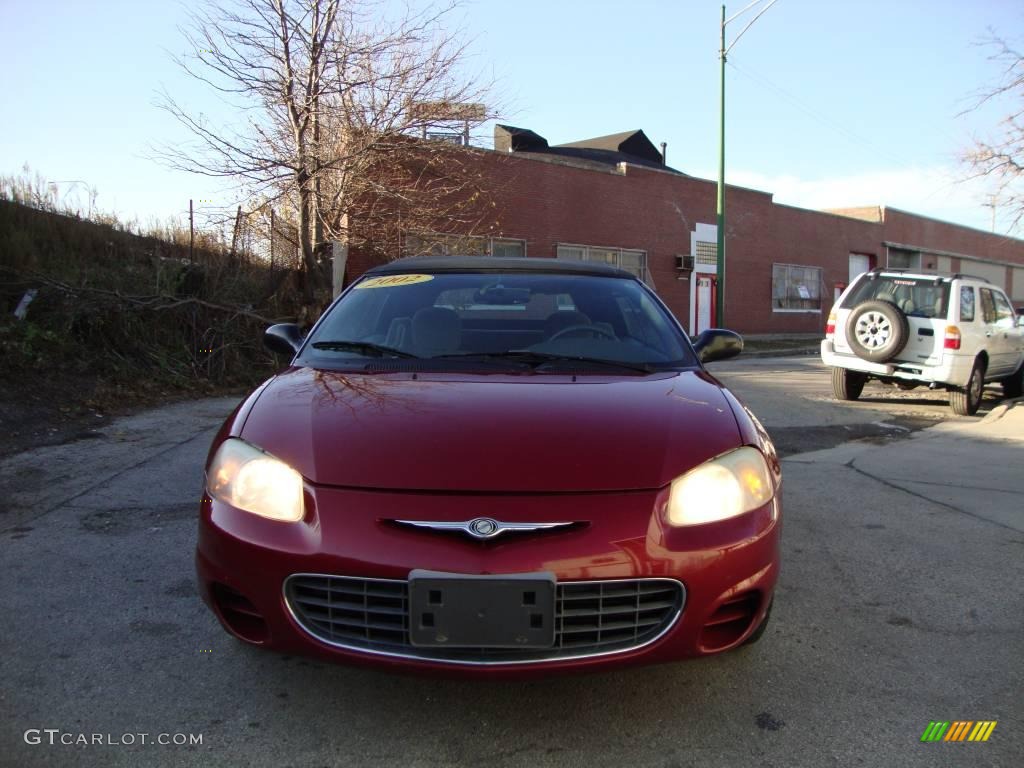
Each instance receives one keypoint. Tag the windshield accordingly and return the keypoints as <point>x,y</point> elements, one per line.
<point>917,297</point>
<point>513,319</point>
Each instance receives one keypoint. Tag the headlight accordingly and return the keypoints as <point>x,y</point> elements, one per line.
<point>247,478</point>
<point>725,487</point>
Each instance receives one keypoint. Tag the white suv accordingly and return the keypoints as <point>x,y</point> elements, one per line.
<point>903,328</point>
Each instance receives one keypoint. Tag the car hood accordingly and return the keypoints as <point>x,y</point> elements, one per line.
<point>490,433</point>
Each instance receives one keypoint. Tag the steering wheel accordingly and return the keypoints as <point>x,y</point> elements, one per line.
<point>594,329</point>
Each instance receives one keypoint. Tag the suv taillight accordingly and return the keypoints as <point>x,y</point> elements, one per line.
<point>952,340</point>
<point>830,325</point>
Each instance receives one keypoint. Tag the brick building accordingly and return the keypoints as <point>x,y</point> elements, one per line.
<point>612,199</point>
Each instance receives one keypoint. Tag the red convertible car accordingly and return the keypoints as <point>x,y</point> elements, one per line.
<point>493,466</point>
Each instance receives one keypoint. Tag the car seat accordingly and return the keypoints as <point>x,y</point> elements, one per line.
<point>436,331</point>
<point>399,333</point>
<point>886,294</point>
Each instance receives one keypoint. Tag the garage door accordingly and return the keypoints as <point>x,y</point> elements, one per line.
<point>994,273</point>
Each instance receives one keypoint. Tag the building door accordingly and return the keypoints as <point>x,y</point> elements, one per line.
<point>705,314</point>
<point>859,262</point>
<point>839,288</point>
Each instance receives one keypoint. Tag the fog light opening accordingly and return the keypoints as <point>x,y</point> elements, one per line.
<point>730,622</point>
<point>239,614</point>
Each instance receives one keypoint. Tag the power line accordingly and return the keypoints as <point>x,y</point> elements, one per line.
<point>821,118</point>
<point>853,137</point>
<point>878,153</point>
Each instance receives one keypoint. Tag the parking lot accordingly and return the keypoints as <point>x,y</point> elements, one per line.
<point>899,603</point>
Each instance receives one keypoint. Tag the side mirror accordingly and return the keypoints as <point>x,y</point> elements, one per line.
<point>717,344</point>
<point>283,338</point>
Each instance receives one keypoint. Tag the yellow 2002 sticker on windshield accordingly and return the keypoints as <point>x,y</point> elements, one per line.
<point>394,281</point>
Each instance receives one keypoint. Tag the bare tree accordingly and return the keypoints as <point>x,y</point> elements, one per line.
<point>1001,158</point>
<point>332,95</point>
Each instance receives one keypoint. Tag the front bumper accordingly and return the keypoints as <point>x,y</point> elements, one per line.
<point>951,369</point>
<point>727,570</point>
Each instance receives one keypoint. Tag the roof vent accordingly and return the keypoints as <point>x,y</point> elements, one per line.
<point>633,143</point>
<point>507,138</point>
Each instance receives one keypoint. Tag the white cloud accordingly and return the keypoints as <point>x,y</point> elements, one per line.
<point>930,191</point>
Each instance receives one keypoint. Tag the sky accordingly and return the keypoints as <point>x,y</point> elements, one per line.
<point>829,103</point>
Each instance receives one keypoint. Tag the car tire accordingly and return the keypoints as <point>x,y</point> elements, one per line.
<point>965,402</point>
<point>847,384</point>
<point>877,331</point>
<point>1013,386</point>
<point>758,633</point>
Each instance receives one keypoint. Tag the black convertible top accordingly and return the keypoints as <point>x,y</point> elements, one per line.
<point>431,264</point>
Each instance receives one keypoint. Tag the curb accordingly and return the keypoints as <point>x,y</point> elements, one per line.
<point>1002,409</point>
<point>792,352</point>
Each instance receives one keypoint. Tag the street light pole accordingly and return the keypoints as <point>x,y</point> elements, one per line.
<point>723,52</point>
<point>720,262</point>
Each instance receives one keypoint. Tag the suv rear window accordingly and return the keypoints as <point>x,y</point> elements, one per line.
<point>916,296</point>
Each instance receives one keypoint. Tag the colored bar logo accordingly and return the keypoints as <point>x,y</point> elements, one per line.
<point>958,730</point>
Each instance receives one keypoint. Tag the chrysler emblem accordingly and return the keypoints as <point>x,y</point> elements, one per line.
<point>482,528</point>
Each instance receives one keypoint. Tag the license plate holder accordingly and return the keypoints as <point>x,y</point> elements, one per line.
<point>453,610</point>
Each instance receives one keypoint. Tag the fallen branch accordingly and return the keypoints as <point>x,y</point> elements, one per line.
<point>154,302</point>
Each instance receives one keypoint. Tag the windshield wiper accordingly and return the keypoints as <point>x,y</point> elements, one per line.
<point>366,347</point>
<point>537,359</point>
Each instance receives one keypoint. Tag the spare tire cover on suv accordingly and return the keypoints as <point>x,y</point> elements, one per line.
<point>877,331</point>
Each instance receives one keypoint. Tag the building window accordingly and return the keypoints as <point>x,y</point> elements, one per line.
<point>632,261</point>
<point>796,288</point>
<point>901,259</point>
<point>436,244</point>
<point>503,246</point>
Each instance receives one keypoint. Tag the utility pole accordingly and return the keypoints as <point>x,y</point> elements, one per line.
<point>993,202</point>
<point>723,52</point>
<point>191,231</point>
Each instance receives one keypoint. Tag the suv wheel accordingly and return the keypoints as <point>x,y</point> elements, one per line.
<point>1013,386</point>
<point>847,384</point>
<point>877,331</point>
<point>965,402</point>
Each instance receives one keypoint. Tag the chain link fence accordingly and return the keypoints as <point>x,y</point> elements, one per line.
<point>266,238</point>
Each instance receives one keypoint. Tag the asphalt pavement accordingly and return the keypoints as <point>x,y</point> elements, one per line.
<point>899,603</point>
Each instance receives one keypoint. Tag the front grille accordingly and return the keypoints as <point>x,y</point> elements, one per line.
<point>591,617</point>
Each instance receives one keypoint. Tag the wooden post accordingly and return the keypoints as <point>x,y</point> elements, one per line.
<point>234,235</point>
<point>338,262</point>
<point>271,238</point>
<point>191,232</point>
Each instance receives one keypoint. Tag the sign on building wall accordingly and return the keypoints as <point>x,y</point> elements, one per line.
<point>704,247</point>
